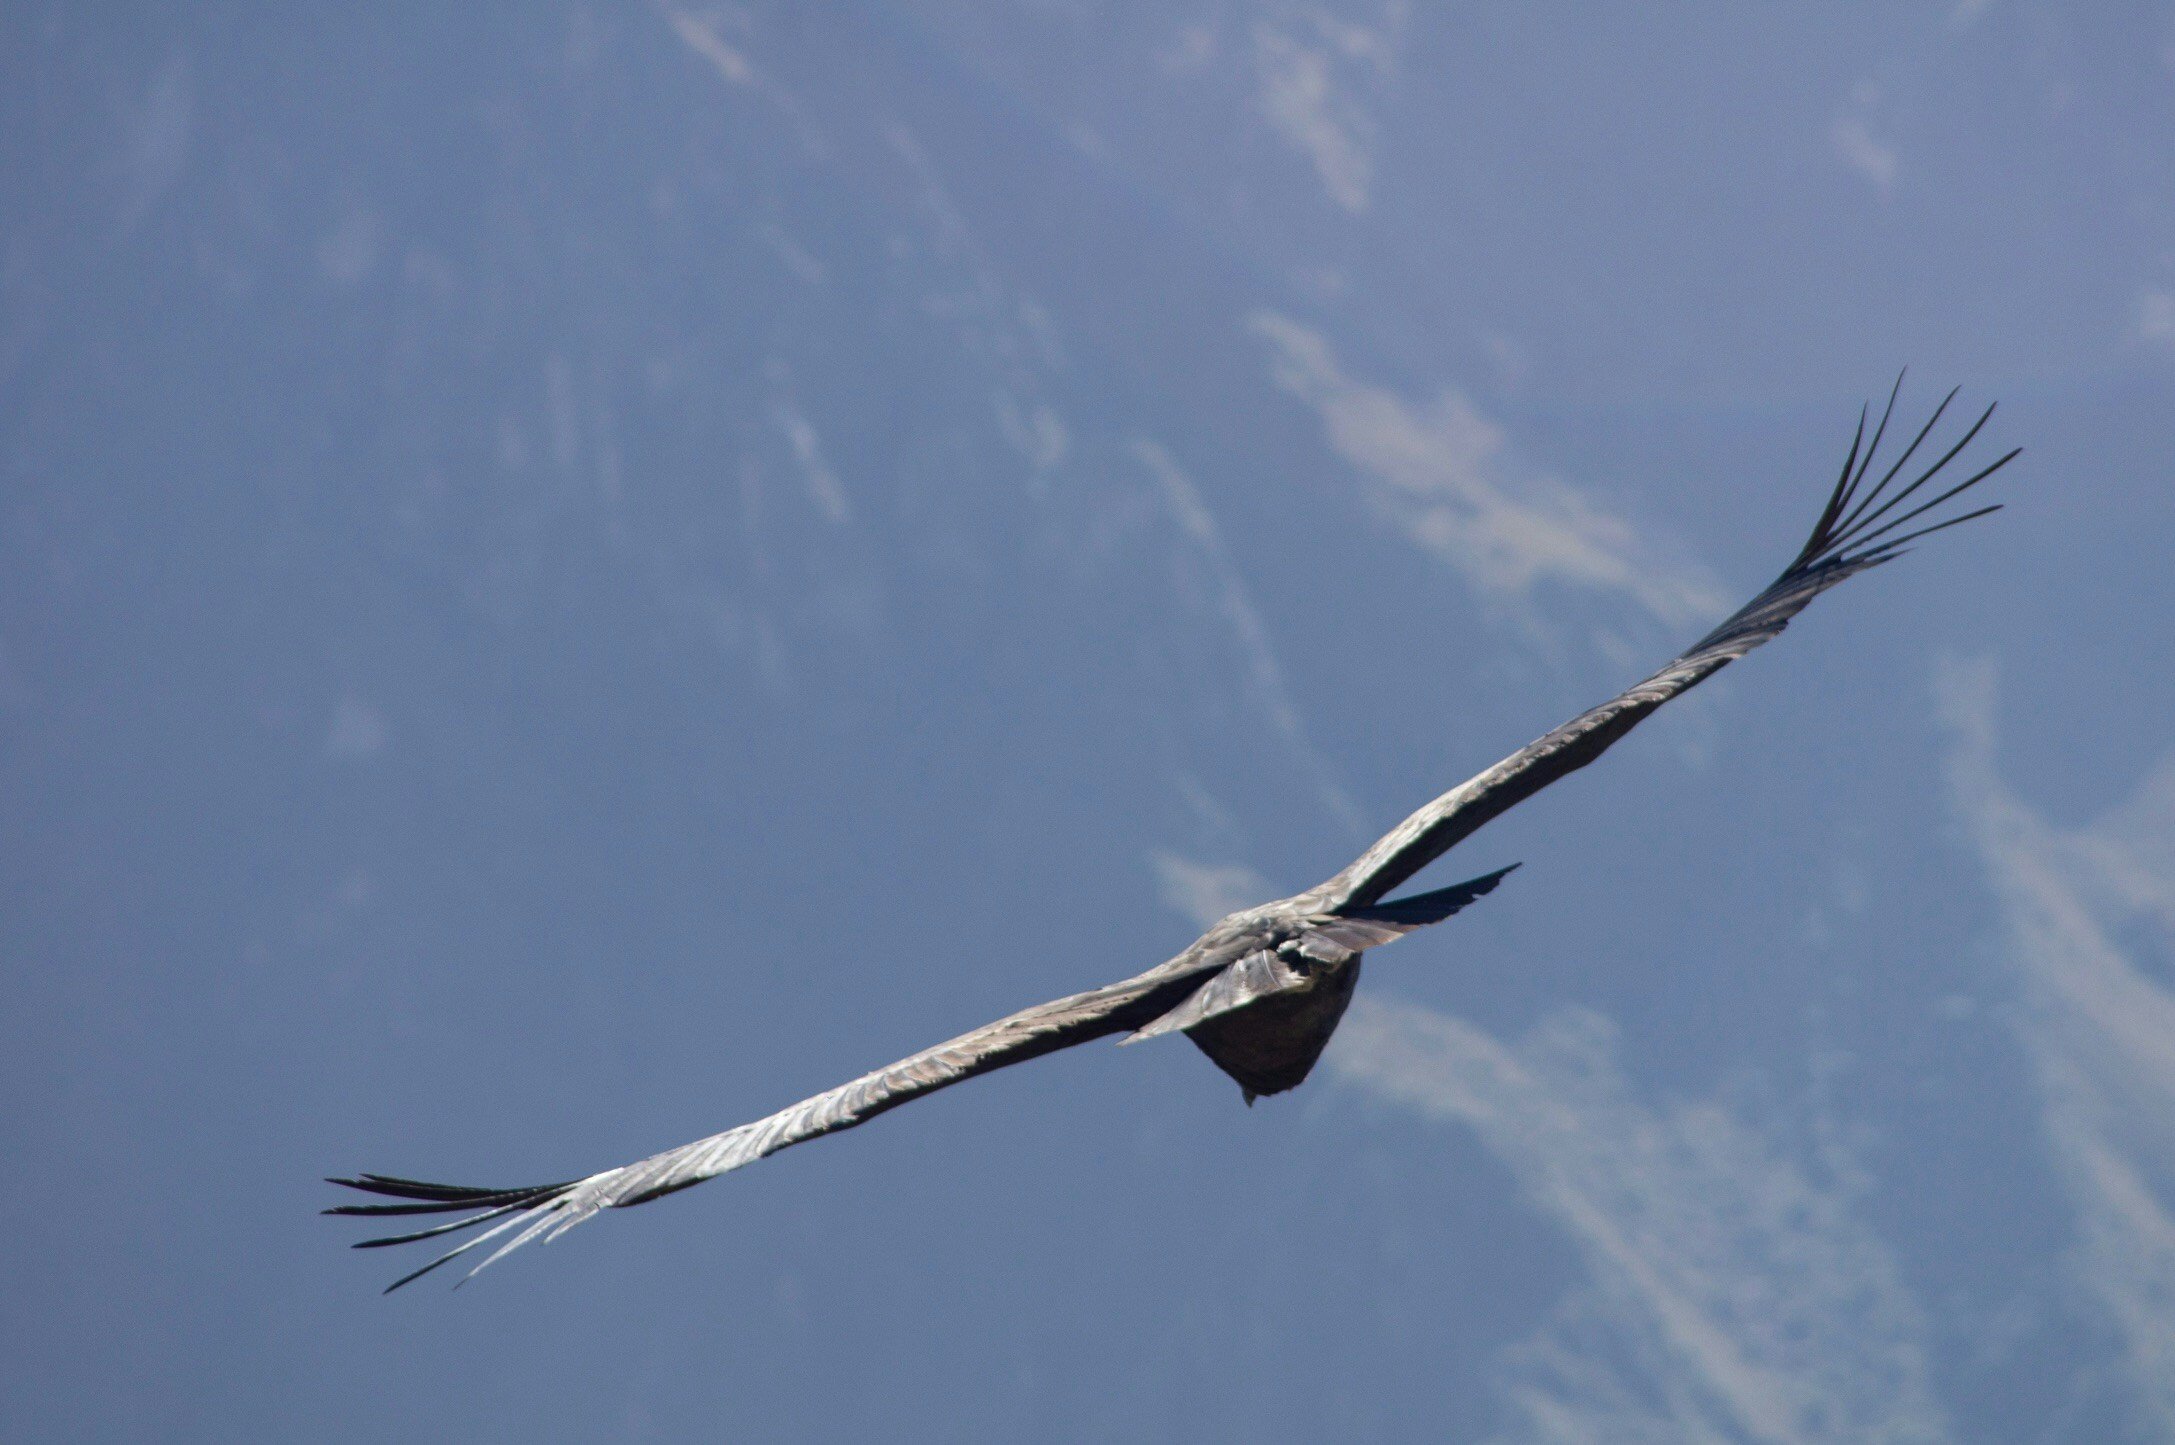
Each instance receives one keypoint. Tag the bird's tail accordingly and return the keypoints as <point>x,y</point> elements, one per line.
<point>1421,909</point>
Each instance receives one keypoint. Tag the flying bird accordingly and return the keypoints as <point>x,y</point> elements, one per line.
<point>1261,991</point>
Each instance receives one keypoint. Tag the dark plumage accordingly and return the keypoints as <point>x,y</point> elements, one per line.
<point>1262,991</point>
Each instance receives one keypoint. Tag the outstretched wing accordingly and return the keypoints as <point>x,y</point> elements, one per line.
<point>549,1210</point>
<point>1855,531</point>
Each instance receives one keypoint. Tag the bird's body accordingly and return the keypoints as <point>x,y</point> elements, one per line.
<point>1271,1045</point>
<point>1262,991</point>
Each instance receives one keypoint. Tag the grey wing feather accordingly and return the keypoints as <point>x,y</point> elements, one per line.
<point>1328,939</point>
<point>546,1211</point>
<point>1362,927</point>
<point>1850,537</point>
<point>1255,976</point>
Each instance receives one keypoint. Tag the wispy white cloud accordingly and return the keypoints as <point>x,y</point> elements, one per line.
<point>1300,99</point>
<point>1237,606</point>
<point>1372,42</point>
<point>1439,472</point>
<point>721,35</point>
<point>1859,146</point>
<point>990,315</point>
<point>1317,71</point>
<point>807,447</point>
<point>1193,47</point>
<point>798,259</point>
<point>2098,1026</point>
<point>1204,892</point>
<point>1035,430</point>
<point>705,36</point>
<point>1733,1293</point>
<point>2156,316</point>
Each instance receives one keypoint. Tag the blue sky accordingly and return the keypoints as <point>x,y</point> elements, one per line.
<point>570,576</point>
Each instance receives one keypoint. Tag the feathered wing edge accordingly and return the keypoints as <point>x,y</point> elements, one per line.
<point>1860,527</point>
<point>545,1211</point>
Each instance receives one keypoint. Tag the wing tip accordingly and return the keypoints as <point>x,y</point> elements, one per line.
<point>1850,531</point>
<point>479,1206</point>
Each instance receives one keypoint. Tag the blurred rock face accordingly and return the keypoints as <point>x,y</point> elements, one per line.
<point>542,550</point>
